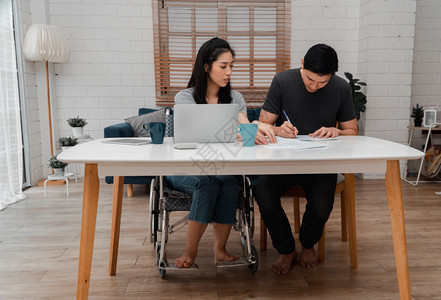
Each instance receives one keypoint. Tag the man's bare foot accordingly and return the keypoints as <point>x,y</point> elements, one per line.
<point>284,263</point>
<point>308,259</point>
<point>185,260</point>
<point>223,255</point>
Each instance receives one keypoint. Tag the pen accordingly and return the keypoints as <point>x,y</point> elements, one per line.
<point>289,121</point>
<point>286,116</point>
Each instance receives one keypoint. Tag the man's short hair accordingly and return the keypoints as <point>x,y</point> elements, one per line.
<point>321,59</point>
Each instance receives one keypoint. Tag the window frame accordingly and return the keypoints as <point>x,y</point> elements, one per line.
<point>253,92</point>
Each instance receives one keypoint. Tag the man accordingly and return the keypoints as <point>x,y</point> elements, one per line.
<point>309,100</point>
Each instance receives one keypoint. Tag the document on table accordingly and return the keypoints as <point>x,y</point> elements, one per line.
<point>302,142</point>
<point>127,141</point>
<point>307,138</point>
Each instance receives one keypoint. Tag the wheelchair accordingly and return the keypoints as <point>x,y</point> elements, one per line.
<point>164,201</point>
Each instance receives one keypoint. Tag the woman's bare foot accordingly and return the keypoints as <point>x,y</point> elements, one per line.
<point>185,260</point>
<point>308,259</point>
<point>284,263</point>
<point>223,255</point>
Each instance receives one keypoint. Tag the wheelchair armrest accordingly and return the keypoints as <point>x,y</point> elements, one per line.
<point>118,130</point>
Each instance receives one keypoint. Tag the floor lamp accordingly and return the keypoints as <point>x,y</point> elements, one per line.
<point>46,43</point>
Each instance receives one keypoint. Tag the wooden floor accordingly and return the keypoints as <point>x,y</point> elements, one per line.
<point>40,243</point>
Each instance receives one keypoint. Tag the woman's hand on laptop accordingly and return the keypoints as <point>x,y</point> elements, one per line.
<point>265,134</point>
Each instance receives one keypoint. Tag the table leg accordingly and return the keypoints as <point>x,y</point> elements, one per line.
<point>44,184</point>
<point>118,186</point>
<point>350,215</point>
<point>67,186</point>
<point>395,201</point>
<point>76,177</point>
<point>88,223</point>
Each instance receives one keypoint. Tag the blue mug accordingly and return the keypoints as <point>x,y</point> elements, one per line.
<point>157,131</point>
<point>248,132</point>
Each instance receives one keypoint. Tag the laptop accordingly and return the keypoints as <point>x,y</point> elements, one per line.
<point>205,123</point>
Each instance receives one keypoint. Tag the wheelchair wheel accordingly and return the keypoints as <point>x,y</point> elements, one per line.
<point>253,267</point>
<point>153,211</point>
<point>250,208</point>
<point>157,249</point>
<point>162,273</point>
<point>251,217</point>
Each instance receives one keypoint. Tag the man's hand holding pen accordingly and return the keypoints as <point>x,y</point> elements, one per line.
<point>287,130</point>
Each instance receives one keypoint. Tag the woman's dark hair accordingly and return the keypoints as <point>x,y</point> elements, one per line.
<point>321,59</point>
<point>207,54</point>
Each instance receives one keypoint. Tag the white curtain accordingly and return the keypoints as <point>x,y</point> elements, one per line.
<point>11,154</point>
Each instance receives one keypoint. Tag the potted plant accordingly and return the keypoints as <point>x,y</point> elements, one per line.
<point>67,142</point>
<point>77,125</point>
<point>358,97</point>
<point>57,165</point>
<point>417,115</point>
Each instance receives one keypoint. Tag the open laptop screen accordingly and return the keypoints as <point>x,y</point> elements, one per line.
<point>205,123</point>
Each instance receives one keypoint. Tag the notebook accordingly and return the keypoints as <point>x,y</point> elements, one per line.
<point>127,141</point>
<point>205,123</point>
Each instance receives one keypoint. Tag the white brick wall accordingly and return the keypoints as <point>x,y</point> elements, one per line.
<point>331,22</point>
<point>386,45</point>
<point>111,71</point>
<point>426,75</point>
<point>104,80</point>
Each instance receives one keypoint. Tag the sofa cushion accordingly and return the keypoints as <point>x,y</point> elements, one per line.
<point>137,121</point>
<point>253,114</point>
<point>143,110</point>
<point>118,130</point>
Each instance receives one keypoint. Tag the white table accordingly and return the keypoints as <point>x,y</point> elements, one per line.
<point>350,154</point>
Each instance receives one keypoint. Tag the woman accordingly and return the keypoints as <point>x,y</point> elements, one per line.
<point>214,198</point>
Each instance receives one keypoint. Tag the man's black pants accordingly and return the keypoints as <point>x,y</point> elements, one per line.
<point>319,190</point>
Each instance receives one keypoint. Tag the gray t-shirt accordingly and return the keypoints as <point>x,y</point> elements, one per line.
<point>186,97</point>
<point>309,111</point>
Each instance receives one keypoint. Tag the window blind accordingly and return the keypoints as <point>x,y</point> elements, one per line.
<point>258,31</point>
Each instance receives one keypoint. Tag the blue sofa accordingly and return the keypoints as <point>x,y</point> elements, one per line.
<point>125,130</point>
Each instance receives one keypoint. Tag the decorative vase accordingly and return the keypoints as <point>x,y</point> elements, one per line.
<point>77,131</point>
<point>59,172</point>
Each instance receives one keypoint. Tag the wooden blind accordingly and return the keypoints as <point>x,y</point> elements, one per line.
<point>257,30</point>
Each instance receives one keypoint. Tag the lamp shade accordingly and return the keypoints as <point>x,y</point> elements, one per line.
<point>45,43</point>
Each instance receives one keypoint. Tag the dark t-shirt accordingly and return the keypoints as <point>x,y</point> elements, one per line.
<point>309,111</point>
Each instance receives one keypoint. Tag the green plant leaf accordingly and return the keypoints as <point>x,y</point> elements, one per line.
<point>348,76</point>
<point>358,97</point>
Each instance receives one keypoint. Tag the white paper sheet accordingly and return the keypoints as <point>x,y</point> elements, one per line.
<point>295,144</point>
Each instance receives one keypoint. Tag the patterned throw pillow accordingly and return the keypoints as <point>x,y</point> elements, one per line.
<point>169,125</point>
<point>137,121</point>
